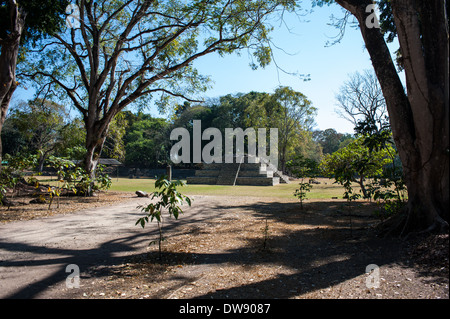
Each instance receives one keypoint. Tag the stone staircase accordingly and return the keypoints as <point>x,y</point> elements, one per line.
<point>228,174</point>
<point>235,174</point>
<point>284,179</point>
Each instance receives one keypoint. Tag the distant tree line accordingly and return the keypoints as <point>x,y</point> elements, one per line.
<point>140,140</point>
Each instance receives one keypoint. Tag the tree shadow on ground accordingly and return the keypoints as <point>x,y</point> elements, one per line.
<point>93,263</point>
<point>59,259</point>
<point>316,247</point>
<point>324,244</point>
<point>332,243</point>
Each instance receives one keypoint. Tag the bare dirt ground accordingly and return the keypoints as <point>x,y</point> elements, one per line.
<point>221,247</point>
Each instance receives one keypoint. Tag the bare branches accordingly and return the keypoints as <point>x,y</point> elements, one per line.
<point>341,25</point>
<point>361,98</point>
<point>71,92</point>
<point>173,94</point>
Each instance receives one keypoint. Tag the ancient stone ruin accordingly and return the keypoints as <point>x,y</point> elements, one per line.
<point>243,173</point>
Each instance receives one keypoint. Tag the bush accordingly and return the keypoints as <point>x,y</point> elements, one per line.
<point>71,178</point>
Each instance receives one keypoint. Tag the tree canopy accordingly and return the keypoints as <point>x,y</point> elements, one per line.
<point>43,18</point>
<point>22,22</point>
<point>126,52</point>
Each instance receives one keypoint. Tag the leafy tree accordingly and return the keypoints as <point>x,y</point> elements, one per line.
<point>237,111</point>
<point>293,118</point>
<point>13,173</point>
<point>294,113</point>
<point>147,143</point>
<point>355,163</point>
<point>389,187</point>
<point>331,140</point>
<point>195,112</point>
<point>307,147</point>
<point>125,52</point>
<point>21,23</point>
<point>61,166</point>
<point>38,126</point>
<point>289,111</point>
<point>418,117</point>
<point>234,111</point>
<point>180,108</point>
<point>73,178</point>
<point>72,137</point>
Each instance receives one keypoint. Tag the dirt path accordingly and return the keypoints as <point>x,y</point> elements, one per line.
<point>222,247</point>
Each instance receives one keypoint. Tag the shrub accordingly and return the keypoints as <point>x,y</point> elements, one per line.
<point>169,199</point>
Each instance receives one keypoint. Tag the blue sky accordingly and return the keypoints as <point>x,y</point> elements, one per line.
<point>304,51</point>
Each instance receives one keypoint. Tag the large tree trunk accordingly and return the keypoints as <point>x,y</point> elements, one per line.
<point>424,47</point>
<point>94,145</point>
<point>93,150</point>
<point>8,61</point>
<point>419,119</point>
<point>96,133</point>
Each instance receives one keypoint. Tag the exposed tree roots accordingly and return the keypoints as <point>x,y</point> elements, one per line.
<point>405,225</point>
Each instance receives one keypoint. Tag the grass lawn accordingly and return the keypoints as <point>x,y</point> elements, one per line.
<point>325,190</point>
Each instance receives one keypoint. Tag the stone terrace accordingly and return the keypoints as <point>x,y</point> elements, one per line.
<point>245,173</point>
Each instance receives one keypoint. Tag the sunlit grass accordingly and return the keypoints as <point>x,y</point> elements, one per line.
<point>325,190</point>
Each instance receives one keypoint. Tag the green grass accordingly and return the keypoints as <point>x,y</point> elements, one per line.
<point>286,191</point>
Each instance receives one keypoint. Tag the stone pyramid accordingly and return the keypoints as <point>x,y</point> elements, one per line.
<point>244,173</point>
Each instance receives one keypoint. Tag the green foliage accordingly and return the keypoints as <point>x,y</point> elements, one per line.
<point>70,177</point>
<point>331,140</point>
<point>349,194</point>
<point>102,179</point>
<point>355,163</point>
<point>76,179</point>
<point>147,142</point>
<point>14,171</point>
<point>388,189</point>
<point>151,59</point>
<point>61,166</point>
<point>294,114</point>
<point>371,157</point>
<point>38,122</point>
<point>43,18</point>
<point>42,126</point>
<point>285,109</point>
<point>300,192</point>
<point>168,199</point>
